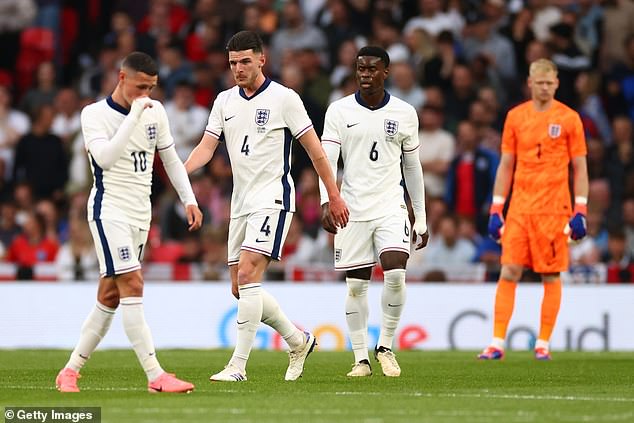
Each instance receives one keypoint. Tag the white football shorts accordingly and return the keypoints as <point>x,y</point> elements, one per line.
<point>119,246</point>
<point>360,244</point>
<point>261,232</point>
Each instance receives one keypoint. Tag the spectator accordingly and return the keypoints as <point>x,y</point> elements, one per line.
<point>187,119</point>
<point>13,125</point>
<point>403,84</point>
<point>66,124</point>
<point>498,50</point>
<point>437,152</point>
<point>76,259</point>
<point>40,159</point>
<point>9,228</point>
<point>295,35</point>
<point>45,90</point>
<point>447,247</point>
<point>31,247</point>
<point>433,20</point>
<point>470,178</point>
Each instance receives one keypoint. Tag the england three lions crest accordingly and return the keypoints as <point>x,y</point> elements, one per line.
<point>151,133</point>
<point>390,126</point>
<point>554,130</point>
<point>262,116</point>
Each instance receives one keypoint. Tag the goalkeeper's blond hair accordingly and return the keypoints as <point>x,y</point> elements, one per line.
<point>542,66</point>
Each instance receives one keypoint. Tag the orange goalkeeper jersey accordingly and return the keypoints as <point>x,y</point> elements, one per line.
<point>543,144</point>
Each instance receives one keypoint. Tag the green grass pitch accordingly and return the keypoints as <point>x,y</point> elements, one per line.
<point>434,387</point>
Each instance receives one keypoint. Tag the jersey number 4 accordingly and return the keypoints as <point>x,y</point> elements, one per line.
<point>245,146</point>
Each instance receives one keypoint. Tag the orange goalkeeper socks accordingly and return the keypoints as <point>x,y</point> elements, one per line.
<point>504,304</point>
<point>550,308</point>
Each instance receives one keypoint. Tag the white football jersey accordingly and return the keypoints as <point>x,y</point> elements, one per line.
<point>371,143</point>
<point>123,192</point>
<point>258,131</point>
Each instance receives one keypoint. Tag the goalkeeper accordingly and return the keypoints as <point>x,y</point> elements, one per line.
<point>541,138</point>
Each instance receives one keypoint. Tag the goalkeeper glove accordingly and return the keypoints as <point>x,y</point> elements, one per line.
<point>577,227</point>
<point>496,219</point>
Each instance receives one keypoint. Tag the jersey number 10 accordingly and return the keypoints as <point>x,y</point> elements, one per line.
<point>140,161</point>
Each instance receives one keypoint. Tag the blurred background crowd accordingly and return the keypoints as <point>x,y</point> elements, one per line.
<point>461,63</point>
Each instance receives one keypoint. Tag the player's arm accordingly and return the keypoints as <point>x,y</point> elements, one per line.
<point>577,225</point>
<point>413,174</point>
<point>202,153</point>
<point>106,151</point>
<point>332,150</point>
<point>338,209</point>
<point>178,177</point>
<point>501,188</point>
<point>176,171</point>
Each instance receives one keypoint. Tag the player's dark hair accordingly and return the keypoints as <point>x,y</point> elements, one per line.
<point>140,62</point>
<point>245,40</point>
<point>375,51</point>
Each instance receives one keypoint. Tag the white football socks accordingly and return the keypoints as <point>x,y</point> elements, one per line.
<point>357,317</point>
<point>392,303</point>
<point>273,316</point>
<point>249,317</point>
<point>92,332</point>
<point>139,335</point>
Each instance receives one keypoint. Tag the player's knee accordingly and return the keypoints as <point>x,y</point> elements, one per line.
<point>109,298</point>
<point>357,288</point>
<point>511,272</point>
<point>394,279</point>
<point>246,275</point>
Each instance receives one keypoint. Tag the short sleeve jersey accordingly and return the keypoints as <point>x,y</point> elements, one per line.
<point>543,142</point>
<point>258,131</point>
<point>122,192</point>
<point>372,141</point>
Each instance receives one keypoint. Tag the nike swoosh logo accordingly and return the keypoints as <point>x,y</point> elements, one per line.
<point>151,354</point>
<point>260,240</point>
<point>351,312</point>
<point>242,323</point>
<point>350,125</point>
<point>394,305</point>
<point>229,118</point>
<point>83,356</point>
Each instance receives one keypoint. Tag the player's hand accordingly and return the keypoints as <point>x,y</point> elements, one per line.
<point>194,217</point>
<point>339,212</point>
<point>577,227</point>
<point>139,105</point>
<point>496,222</point>
<point>326,219</point>
<point>420,229</point>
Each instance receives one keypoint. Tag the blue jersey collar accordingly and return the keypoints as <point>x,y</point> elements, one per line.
<point>119,108</point>
<point>263,87</point>
<point>386,99</point>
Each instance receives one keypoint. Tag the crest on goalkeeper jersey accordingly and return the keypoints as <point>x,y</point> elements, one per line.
<point>554,130</point>
<point>262,116</point>
<point>390,126</point>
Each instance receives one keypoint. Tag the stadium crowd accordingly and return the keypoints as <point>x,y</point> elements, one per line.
<point>461,63</point>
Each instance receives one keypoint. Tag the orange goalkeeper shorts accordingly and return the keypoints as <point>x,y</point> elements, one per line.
<point>536,241</point>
